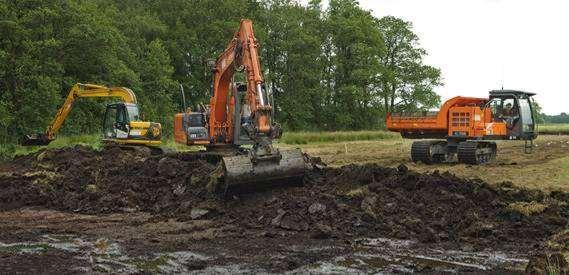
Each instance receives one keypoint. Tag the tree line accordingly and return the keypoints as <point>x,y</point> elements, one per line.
<point>328,69</point>
<point>560,118</point>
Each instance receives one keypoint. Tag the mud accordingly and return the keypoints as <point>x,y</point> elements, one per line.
<point>160,204</point>
<point>83,180</point>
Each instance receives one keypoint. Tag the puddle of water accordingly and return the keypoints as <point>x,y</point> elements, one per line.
<point>107,256</point>
<point>373,255</point>
<point>229,269</point>
<point>392,256</point>
<point>24,248</point>
<point>392,243</point>
<point>328,268</point>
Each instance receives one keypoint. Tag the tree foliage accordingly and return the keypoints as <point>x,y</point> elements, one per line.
<point>334,68</point>
<point>405,84</point>
<point>560,118</point>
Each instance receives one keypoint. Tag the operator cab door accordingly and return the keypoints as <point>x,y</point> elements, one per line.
<point>527,122</point>
<point>116,123</point>
<point>515,111</point>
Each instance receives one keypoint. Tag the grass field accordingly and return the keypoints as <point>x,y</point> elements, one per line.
<point>547,168</point>
<point>9,151</point>
<point>554,129</point>
<point>319,137</point>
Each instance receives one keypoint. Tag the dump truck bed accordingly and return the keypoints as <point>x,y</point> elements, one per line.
<point>417,125</point>
<point>428,124</point>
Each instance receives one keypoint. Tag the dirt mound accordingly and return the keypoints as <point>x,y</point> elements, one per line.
<point>552,256</point>
<point>83,180</point>
<point>372,201</point>
<point>439,207</point>
<point>352,201</point>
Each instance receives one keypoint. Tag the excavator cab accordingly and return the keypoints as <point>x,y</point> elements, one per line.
<point>514,108</point>
<point>117,118</point>
<point>123,123</point>
<point>195,125</point>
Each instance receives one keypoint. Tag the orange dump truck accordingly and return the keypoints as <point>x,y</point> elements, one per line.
<point>464,127</point>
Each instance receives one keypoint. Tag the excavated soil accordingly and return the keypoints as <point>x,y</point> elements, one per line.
<point>338,205</point>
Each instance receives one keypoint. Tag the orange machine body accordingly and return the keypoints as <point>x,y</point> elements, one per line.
<point>179,132</point>
<point>241,54</point>
<point>462,117</point>
<point>239,114</point>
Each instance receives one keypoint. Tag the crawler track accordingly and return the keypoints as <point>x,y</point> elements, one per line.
<point>429,151</point>
<point>476,152</point>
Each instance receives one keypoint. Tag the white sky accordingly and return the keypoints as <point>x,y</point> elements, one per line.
<point>481,44</point>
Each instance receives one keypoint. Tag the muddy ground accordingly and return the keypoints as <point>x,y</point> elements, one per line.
<point>80,210</point>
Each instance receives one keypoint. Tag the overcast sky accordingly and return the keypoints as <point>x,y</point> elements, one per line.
<point>481,44</point>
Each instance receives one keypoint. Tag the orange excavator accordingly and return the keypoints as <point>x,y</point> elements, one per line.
<point>240,114</point>
<point>464,127</point>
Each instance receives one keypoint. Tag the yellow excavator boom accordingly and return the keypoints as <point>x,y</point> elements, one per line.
<point>86,90</point>
<point>137,132</point>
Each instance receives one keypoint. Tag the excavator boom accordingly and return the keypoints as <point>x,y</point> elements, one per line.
<point>241,114</point>
<point>263,162</point>
<point>240,53</point>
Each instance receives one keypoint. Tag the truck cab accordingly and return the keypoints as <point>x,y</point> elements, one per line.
<point>515,109</point>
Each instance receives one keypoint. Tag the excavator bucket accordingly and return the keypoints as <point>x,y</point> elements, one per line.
<point>39,139</point>
<point>247,173</point>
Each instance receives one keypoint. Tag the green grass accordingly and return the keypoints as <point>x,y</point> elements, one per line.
<point>9,151</point>
<point>170,143</point>
<point>554,129</point>
<point>319,137</point>
<point>563,174</point>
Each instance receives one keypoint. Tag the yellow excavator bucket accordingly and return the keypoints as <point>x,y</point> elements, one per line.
<point>39,139</point>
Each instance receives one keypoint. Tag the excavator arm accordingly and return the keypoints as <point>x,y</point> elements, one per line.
<point>78,90</point>
<point>240,54</point>
<point>263,162</point>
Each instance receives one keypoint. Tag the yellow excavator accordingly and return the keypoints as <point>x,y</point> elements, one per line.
<point>122,124</point>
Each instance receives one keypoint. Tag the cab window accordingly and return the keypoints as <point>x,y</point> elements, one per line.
<point>525,111</point>
<point>121,115</point>
<point>195,120</point>
<point>133,113</point>
<point>496,107</point>
<point>110,117</point>
<point>509,107</point>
